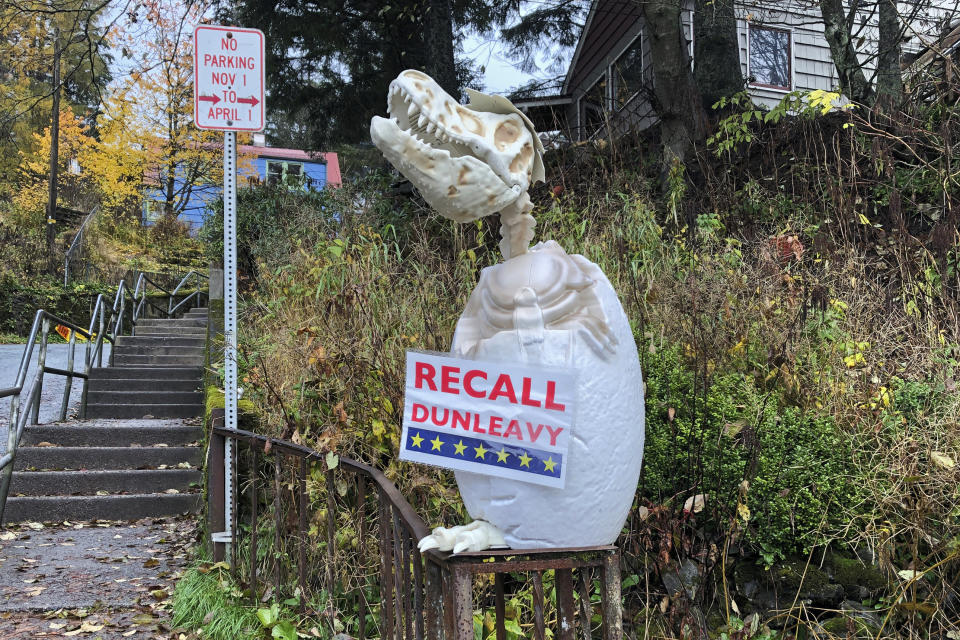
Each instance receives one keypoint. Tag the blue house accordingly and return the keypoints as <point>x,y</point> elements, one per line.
<point>294,167</point>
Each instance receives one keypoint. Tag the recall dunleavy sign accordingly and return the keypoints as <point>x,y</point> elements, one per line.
<point>498,419</point>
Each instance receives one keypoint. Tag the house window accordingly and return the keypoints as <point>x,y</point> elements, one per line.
<point>594,104</point>
<point>627,74</point>
<point>770,59</point>
<point>289,173</point>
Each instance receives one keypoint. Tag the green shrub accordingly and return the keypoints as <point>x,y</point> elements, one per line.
<point>794,461</point>
<point>20,299</point>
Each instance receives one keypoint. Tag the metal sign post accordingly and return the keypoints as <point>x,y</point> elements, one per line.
<point>229,318</point>
<point>228,96</point>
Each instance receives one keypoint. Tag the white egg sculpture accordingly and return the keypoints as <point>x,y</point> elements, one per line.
<point>540,306</point>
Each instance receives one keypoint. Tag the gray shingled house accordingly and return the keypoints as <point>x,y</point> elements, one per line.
<point>782,49</point>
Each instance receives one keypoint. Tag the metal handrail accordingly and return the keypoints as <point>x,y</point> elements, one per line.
<point>406,512</point>
<point>19,415</point>
<point>427,596</point>
<point>106,324</point>
<point>173,309</point>
<point>77,242</point>
<point>141,299</point>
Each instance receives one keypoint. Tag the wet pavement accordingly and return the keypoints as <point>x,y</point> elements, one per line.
<point>92,580</point>
<point>51,395</point>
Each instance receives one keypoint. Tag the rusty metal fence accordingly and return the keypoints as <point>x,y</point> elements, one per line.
<point>353,540</point>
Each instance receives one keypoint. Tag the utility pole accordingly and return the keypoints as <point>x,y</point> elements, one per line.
<point>54,157</point>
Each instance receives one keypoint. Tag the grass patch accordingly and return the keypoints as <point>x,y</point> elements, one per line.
<point>206,599</point>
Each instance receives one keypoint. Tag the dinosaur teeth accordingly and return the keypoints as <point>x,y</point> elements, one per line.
<point>421,121</point>
<point>431,127</point>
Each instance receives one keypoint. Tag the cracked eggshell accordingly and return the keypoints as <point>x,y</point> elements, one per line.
<point>605,451</point>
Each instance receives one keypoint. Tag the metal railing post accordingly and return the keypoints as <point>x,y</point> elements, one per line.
<point>123,307</point>
<point>216,486</point>
<point>101,325</point>
<point>462,596</point>
<point>610,598</point>
<point>12,438</point>
<point>14,417</point>
<point>41,365</point>
<point>86,369</point>
<point>69,382</point>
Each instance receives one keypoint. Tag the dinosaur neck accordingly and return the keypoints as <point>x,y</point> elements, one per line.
<point>516,227</point>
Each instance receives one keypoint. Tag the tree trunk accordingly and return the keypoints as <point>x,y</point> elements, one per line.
<point>889,78</point>
<point>54,158</point>
<point>438,37</point>
<point>678,102</point>
<point>716,51</point>
<point>838,32</point>
<point>169,188</point>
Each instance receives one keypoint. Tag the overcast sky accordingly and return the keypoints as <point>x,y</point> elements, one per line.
<point>500,74</point>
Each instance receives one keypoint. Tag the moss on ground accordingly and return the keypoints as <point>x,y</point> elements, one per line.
<point>797,573</point>
<point>851,572</point>
<point>216,399</point>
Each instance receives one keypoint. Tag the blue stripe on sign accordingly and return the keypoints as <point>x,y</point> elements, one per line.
<point>494,454</point>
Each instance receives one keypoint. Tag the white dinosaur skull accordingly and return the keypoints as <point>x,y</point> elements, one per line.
<point>467,161</point>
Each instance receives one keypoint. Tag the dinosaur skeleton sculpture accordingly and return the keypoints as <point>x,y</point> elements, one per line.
<point>540,304</point>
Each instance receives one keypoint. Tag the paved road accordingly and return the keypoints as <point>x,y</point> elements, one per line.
<point>53,386</point>
<point>95,580</point>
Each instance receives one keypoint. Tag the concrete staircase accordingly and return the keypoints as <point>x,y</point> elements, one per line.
<point>137,452</point>
<point>155,374</point>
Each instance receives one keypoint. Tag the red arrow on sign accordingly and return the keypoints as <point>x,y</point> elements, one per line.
<point>213,99</point>
<point>252,101</point>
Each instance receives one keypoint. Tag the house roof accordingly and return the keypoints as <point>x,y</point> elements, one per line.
<point>941,48</point>
<point>280,153</point>
<point>332,160</point>
<point>607,23</point>
<point>565,89</point>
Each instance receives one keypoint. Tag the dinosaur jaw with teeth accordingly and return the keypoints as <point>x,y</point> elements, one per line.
<point>427,138</point>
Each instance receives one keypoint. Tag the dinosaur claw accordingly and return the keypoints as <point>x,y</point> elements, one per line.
<point>476,536</point>
<point>427,543</point>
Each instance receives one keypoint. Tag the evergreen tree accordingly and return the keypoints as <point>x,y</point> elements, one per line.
<point>330,63</point>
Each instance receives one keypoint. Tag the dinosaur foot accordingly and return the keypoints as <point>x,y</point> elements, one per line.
<point>476,536</point>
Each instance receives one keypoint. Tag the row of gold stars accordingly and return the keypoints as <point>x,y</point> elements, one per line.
<point>481,452</point>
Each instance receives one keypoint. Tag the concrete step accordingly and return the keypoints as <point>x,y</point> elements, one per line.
<point>146,373</point>
<point>135,360</point>
<point>61,483</point>
<point>143,410</point>
<point>172,322</point>
<point>111,433</point>
<point>132,384</point>
<point>200,332</point>
<point>104,457</point>
<point>160,341</point>
<point>78,508</point>
<point>144,398</point>
<point>157,350</point>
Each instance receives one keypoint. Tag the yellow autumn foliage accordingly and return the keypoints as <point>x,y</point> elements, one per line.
<point>30,198</point>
